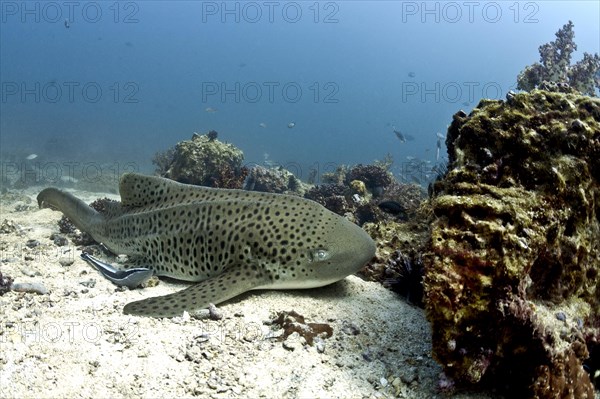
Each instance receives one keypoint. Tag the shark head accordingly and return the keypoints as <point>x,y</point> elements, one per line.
<point>337,248</point>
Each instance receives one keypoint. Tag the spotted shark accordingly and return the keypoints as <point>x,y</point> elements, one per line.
<point>226,241</point>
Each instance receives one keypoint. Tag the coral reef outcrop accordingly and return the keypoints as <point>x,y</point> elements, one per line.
<point>375,178</point>
<point>204,161</point>
<point>274,180</point>
<point>359,191</point>
<point>512,272</point>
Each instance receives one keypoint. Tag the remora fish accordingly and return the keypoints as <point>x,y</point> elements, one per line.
<point>229,241</point>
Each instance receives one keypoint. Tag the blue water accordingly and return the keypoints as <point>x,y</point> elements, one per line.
<point>127,79</point>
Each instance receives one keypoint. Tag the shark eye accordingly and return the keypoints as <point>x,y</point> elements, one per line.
<point>319,254</point>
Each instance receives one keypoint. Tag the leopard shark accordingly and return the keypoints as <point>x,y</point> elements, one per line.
<point>226,241</point>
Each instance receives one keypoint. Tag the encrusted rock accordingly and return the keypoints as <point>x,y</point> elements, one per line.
<point>32,243</point>
<point>204,161</point>
<point>59,240</point>
<point>5,283</point>
<point>516,242</point>
<point>273,180</point>
<point>294,325</point>
<point>375,178</point>
<point>8,227</point>
<point>66,260</point>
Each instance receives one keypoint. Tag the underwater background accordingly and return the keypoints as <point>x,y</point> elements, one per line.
<point>100,87</point>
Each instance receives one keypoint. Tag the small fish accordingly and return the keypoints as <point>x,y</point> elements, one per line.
<point>412,74</point>
<point>440,136</point>
<point>394,208</point>
<point>67,24</point>
<point>263,125</point>
<point>466,103</point>
<point>31,157</point>
<point>210,110</point>
<point>400,136</point>
<point>291,125</point>
<point>438,148</point>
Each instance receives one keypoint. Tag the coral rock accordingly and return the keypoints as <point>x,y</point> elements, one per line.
<point>273,180</point>
<point>204,161</point>
<point>515,242</point>
<point>375,178</point>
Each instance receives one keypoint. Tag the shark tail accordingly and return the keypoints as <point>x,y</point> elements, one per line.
<point>81,214</point>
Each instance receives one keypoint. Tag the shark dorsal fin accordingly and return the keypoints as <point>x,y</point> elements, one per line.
<point>149,191</point>
<point>140,191</point>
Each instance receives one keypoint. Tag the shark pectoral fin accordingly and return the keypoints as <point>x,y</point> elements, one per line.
<point>215,290</point>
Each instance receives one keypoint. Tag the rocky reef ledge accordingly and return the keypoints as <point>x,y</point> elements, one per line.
<point>512,269</point>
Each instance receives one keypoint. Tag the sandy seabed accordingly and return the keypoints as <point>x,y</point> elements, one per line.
<point>75,341</point>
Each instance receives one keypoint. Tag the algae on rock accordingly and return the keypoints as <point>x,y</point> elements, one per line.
<point>516,242</point>
<point>204,161</point>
